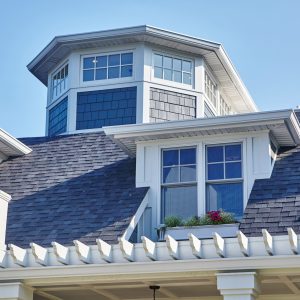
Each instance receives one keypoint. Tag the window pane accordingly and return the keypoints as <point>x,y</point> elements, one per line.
<point>179,201</point>
<point>101,74</point>
<point>177,64</point>
<point>215,171</point>
<point>233,170</point>
<point>158,60</point>
<point>188,156</point>
<point>177,76</point>
<point>113,72</point>
<point>88,63</point>
<point>228,197</point>
<point>126,71</point>
<point>170,174</point>
<point>167,62</point>
<point>187,173</point>
<point>88,75</point>
<point>101,61</point>
<point>170,157</point>
<point>126,59</point>
<point>158,73</point>
<point>186,78</point>
<point>167,74</point>
<point>114,60</point>
<point>66,70</point>
<point>186,66</point>
<point>215,154</point>
<point>233,152</point>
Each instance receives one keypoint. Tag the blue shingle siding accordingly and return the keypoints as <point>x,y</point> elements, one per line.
<point>106,107</point>
<point>70,187</point>
<point>58,116</point>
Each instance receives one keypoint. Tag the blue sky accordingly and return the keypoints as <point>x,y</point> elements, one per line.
<point>262,38</point>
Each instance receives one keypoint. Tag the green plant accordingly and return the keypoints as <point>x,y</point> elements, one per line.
<point>216,217</point>
<point>173,221</point>
<point>193,221</point>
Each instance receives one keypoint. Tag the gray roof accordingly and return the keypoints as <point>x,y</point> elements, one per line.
<point>274,203</point>
<point>70,187</point>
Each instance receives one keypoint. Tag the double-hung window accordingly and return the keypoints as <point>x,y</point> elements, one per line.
<point>173,69</point>
<point>224,178</point>
<point>111,66</point>
<point>179,183</point>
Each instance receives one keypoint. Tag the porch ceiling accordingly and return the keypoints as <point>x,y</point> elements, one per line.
<point>280,286</point>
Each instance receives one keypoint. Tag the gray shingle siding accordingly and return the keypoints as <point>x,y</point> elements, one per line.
<point>58,116</point>
<point>96,109</point>
<point>170,106</point>
<point>274,203</point>
<point>70,187</point>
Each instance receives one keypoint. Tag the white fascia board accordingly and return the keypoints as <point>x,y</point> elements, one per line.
<point>17,148</point>
<point>4,196</point>
<point>239,120</point>
<point>236,79</point>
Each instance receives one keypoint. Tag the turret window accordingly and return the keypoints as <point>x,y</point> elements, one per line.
<point>104,67</point>
<point>59,82</point>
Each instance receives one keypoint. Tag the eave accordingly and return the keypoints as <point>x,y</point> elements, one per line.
<point>283,124</point>
<point>214,54</point>
<point>10,146</point>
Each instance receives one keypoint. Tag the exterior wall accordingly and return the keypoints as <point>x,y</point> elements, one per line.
<point>171,106</point>
<point>256,165</point>
<point>58,116</point>
<point>106,107</point>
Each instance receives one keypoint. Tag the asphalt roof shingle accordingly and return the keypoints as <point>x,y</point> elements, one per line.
<point>274,203</point>
<point>70,187</point>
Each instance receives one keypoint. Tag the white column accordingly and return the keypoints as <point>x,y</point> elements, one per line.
<point>238,286</point>
<point>4,199</point>
<point>15,291</point>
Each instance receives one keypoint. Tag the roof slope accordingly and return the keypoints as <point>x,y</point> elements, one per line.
<point>70,187</point>
<point>274,203</point>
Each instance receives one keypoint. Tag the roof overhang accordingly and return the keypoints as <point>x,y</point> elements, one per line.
<point>10,146</point>
<point>283,124</point>
<point>214,54</point>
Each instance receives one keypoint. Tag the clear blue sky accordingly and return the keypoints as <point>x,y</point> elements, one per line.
<point>262,37</point>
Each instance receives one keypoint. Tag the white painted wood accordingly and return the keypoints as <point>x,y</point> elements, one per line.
<point>219,244</point>
<point>40,254</point>
<point>18,254</point>
<point>83,251</point>
<point>3,257</point>
<point>135,219</point>
<point>4,200</point>
<point>61,252</point>
<point>173,247</point>
<point>105,250</point>
<point>293,239</point>
<point>15,291</point>
<point>149,247</point>
<point>195,244</point>
<point>238,285</point>
<point>268,241</point>
<point>243,242</point>
<point>127,249</point>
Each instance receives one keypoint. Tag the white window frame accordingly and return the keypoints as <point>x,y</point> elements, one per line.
<point>107,80</point>
<point>222,99</point>
<point>208,75</point>
<point>53,97</point>
<point>173,83</point>
<point>188,183</point>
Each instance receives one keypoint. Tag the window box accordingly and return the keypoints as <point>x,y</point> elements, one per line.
<point>201,232</point>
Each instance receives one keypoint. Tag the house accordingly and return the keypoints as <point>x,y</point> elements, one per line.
<point>143,125</point>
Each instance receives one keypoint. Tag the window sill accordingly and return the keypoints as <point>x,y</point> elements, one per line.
<point>201,232</point>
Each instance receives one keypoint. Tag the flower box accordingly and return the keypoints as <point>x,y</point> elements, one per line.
<point>201,232</point>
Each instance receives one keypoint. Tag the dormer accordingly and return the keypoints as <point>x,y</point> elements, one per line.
<point>136,75</point>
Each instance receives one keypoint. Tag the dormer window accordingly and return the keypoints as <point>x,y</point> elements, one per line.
<point>102,67</point>
<point>173,69</point>
<point>59,82</point>
<point>224,107</point>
